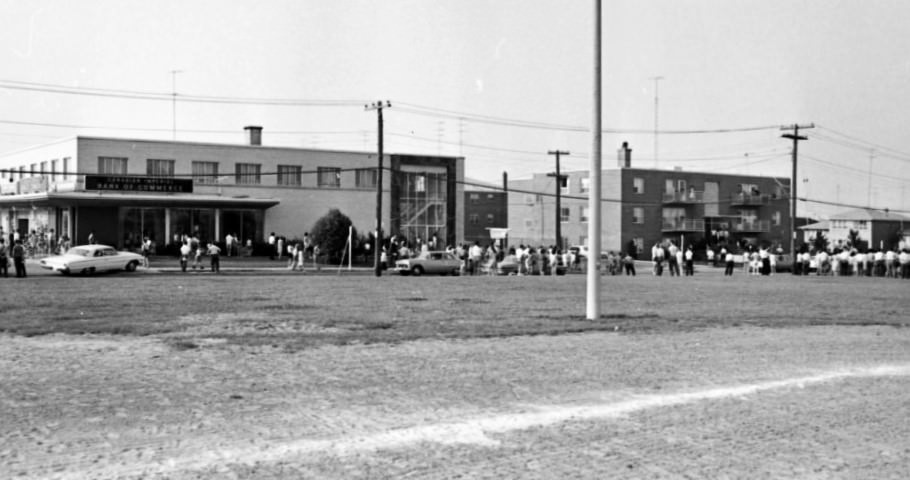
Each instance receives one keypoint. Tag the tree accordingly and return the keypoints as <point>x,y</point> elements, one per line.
<point>330,234</point>
<point>854,241</point>
<point>820,242</point>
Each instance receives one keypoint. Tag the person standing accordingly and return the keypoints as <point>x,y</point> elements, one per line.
<point>728,258</point>
<point>146,251</point>
<point>673,260</point>
<point>690,262</point>
<point>272,240</point>
<point>185,251</point>
<point>4,258</point>
<point>629,264</point>
<point>229,244</point>
<point>19,259</point>
<point>215,255</point>
<point>91,237</point>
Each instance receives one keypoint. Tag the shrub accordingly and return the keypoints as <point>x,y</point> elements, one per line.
<point>330,234</point>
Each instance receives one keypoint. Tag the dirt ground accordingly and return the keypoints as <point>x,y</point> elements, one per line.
<point>729,401</point>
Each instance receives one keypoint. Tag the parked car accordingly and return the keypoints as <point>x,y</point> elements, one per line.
<point>89,259</point>
<point>440,263</point>
<point>508,266</point>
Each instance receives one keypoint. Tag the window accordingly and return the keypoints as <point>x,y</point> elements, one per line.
<point>42,168</point>
<point>473,219</point>
<point>638,215</point>
<point>748,189</point>
<point>33,170</point>
<point>247,174</point>
<point>53,169</point>
<point>289,175</point>
<point>329,177</point>
<point>366,178</point>
<point>776,219</point>
<point>66,167</point>
<point>421,184</point>
<point>205,172</point>
<point>564,213</point>
<point>638,185</point>
<point>529,223</point>
<point>584,213</point>
<point>21,172</point>
<point>109,165</point>
<point>564,184</point>
<point>159,168</point>
<point>585,185</point>
<point>474,197</point>
<point>489,196</point>
<point>639,244</point>
<point>490,218</point>
<point>529,199</point>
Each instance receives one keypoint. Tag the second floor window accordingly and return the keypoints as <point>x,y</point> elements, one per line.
<point>564,214</point>
<point>638,215</point>
<point>366,178</point>
<point>473,219</point>
<point>638,185</point>
<point>585,185</point>
<point>205,172</point>
<point>159,168</point>
<point>247,174</point>
<point>329,177</point>
<point>107,165</point>
<point>584,214</point>
<point>289,175</point>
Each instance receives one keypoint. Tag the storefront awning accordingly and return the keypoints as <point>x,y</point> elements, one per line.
<point>100,198</point>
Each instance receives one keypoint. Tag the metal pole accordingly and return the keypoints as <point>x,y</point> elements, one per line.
<point>656,110</point>
<point>593,279</point>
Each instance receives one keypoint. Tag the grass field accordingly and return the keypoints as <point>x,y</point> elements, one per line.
<point>296,312</point>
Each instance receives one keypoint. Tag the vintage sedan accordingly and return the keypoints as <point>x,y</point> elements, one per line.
<point>441,263</point>
<point>88,259</point>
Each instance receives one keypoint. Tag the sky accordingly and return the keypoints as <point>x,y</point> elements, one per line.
<point>498,82</point>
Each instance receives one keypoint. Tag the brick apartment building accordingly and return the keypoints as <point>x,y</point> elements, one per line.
<point>645,206</point>
<point>486,212</point>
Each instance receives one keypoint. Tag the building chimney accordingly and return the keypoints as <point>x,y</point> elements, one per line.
<point>254,134</point>
<point>624,156</point>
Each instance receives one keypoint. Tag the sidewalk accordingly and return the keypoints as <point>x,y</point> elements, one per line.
<point>167,264</point>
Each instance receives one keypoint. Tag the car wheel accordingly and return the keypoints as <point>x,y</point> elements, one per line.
<point>131,267</point>
<point>455,272</point>
<point>417,271</point>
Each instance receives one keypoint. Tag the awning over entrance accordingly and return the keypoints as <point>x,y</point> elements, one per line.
<point>80,199</point>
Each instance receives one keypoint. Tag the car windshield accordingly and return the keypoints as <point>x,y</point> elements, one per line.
<point>82,252</point>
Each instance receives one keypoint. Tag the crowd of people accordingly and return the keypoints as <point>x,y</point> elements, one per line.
<point>889,263</point>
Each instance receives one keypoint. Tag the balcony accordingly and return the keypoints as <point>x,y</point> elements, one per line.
<point>683,225</point>
<point>755,226</point>
<point>689,197</point>
<point>749,200</point>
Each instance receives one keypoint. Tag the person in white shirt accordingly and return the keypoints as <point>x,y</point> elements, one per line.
<point>904,259</point>
<point>689,262</point>
<point>891,264</point>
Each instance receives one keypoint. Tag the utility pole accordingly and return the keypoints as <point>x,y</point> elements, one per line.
<point>796,137</point>
<point>559,179</point>
<point>174,102</point>
<point>869,186</point>
<point>378,106</point>
<point>656,96</point>
<point>592,299</point>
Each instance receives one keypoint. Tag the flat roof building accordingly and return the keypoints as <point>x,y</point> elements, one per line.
<point>123,189</point>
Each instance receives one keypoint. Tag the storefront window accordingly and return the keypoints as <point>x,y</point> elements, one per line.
<point>422,205</point>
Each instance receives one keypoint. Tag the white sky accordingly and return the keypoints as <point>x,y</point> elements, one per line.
<point>726,65</point>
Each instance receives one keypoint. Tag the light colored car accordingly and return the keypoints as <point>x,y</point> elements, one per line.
<point>440,263</point>
<point>89,259</point>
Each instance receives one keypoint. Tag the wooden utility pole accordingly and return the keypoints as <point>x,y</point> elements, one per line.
<point>378,106</point>
<point>559,179</point>
<point>796,137</point>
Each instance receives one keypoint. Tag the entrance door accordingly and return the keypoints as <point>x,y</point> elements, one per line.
<point>23,228</point>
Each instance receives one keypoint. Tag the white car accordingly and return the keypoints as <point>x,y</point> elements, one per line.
<point>442,263</point>
<point>89,259</point>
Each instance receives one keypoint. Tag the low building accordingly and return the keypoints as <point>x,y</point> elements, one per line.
<point>875,229</point>
<point>124,189</point>
<point>641,207</point>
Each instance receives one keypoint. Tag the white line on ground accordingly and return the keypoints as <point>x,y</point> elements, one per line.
<point>474,431</point>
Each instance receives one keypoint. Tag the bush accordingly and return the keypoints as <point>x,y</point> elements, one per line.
<point>330,234</point>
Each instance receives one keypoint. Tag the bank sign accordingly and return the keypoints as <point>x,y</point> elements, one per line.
<point>139,184</point>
